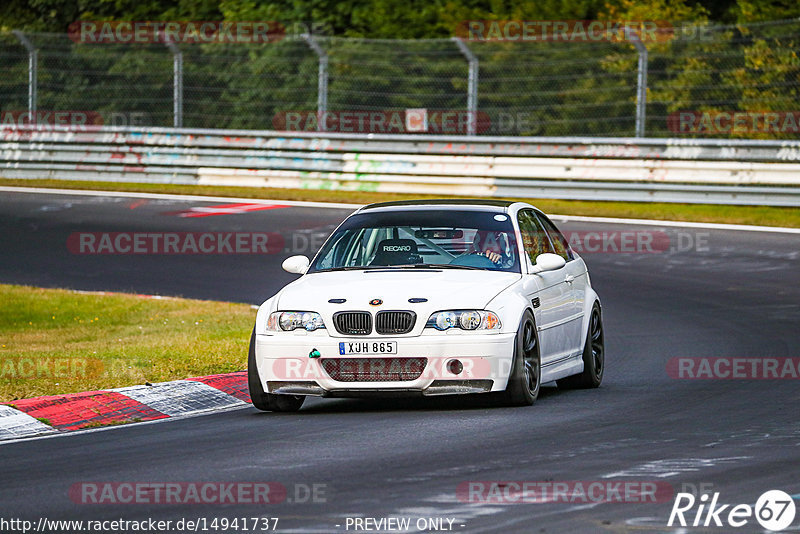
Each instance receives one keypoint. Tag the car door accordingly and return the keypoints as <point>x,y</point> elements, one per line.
<point>575,277</point>
<point>548,291</point>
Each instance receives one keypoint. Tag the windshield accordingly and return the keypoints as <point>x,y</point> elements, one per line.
<point>419,238</point>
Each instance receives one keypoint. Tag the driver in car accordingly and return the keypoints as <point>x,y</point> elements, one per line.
<point>490,244</point>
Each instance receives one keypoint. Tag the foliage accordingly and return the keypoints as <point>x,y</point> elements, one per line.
<point>525,88</point>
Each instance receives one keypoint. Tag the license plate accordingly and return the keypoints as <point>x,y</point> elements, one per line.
<point>367,347</point>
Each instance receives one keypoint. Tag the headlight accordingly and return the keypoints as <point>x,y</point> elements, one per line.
<point>443,320</point>
<point>464,319</point>
<point>292,320</point>
<point>469,320</point>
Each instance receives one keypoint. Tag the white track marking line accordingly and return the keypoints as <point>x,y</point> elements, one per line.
<point>674,466</point>
<point>679,224</point>
<point>336,205</point>
<point>169,196</point>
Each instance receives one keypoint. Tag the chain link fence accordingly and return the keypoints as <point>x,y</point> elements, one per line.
<point>703,81</point>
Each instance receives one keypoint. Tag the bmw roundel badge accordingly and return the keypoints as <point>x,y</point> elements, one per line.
<point>375,302</point>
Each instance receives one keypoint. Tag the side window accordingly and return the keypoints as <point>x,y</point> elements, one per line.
<point>560,243</point>
<point>534,238</point>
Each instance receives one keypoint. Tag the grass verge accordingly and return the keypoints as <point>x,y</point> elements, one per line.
<point>754,215</point>
<point>55,341</point>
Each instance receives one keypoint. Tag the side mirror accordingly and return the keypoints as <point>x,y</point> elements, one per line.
<point>548,262</point>
<point>296,264</point>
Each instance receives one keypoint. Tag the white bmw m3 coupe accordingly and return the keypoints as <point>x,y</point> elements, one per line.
<point>433,297</point>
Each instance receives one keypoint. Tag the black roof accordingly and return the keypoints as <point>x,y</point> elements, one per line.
<point>444,202</point>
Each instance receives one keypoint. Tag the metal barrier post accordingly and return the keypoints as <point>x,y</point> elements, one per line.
<point>472,85</point>
<point>33,67</point>
<point>641,80</point>
<point>177,83</point>
<point>322,81</point>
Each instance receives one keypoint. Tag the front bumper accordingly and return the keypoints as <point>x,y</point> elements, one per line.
<point>436,388</point>
<point>285,367</point>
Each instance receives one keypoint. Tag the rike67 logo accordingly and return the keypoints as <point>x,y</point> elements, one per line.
<point>774,511</point>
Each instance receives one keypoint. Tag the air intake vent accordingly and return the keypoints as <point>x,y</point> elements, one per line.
<point>353,323</point>
<point>395,322</point>
<point>374,369</point>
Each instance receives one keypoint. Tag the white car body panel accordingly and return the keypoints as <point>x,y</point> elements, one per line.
<point>445,289</point>
<point>565,299</point>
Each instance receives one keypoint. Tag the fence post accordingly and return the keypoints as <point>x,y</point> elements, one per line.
<point>641,81</point>
<point>472,85</point>
<point>33,67</point>
<point>177,83</point>
<point>322,81</point>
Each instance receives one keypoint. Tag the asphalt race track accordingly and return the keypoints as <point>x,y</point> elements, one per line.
<point>736,294</point>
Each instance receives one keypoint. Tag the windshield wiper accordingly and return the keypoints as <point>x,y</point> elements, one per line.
<point>346,268</point>
<point>397,267</point>
<point>430,266</point>
<point>451,266</point>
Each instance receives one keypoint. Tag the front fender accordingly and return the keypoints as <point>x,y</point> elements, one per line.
<point>267,307</point>
<point>509,306</point>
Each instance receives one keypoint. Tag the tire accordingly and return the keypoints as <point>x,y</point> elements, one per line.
<point>593,356</point>
<point>526,370</point>
<point>267,402</point>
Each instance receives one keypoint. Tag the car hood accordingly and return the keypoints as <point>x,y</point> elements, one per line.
<point>444,289</point>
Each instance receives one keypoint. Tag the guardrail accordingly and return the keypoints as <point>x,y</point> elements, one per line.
<point>633,169</point>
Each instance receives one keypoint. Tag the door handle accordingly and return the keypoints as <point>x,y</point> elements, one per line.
<point>569,278</point>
